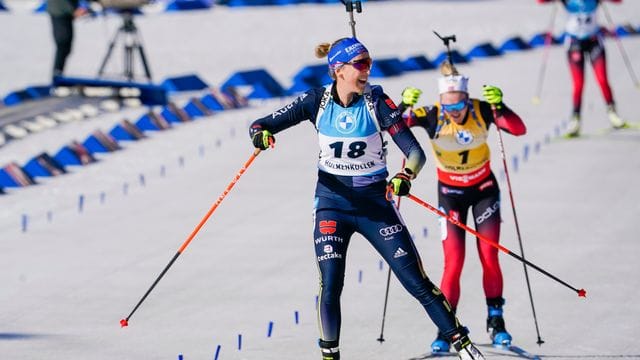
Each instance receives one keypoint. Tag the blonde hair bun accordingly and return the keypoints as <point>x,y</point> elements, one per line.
<point>448,69</point>
<point>322,50</point>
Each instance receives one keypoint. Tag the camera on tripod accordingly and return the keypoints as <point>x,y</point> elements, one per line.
<point>128,36</point>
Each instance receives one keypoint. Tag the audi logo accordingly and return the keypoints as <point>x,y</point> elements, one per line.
<point>393,229</point>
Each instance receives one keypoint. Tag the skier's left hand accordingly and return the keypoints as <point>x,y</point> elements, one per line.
<point>493,95</point>
<point>410,95</point>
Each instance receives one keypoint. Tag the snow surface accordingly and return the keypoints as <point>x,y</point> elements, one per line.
<point>67,282</point>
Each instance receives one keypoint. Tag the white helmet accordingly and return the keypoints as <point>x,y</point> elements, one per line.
<point>451,83</point>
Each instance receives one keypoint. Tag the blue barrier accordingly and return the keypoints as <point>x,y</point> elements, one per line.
<point>481,51</point>
<point>169,115</point>
<point>145,123</point>
<point>30,93</point>
<point>625,30</point>
<point>66,156</point>
<point>455,56</point>
<point>99,142</point>
<point>6,180</point>
<point>386,67</point>
<point>126,131</point>
<point>560,38</point>
<point>541,39</point>
<point>2,8</point>
<point>211,103</point>
<point>310,76</point>
<point>43,165</point>
<point>228,99</point>
<point>417,63</point>
<point>39,91</point>
<point>174,114</point>
<point>119,133</point>
<point>13,175</point>
<point>94,145</point>
<point>247,2</point>
<point>149,94</point>
<point>42,7</point>
<point>184,83</point>
<point>195,109</point>
<point>264,85</point>
<point>152,122</point>
<point>16,97</point>
<point>182,5</point>
<point>514,44</point>
<point>233,3</point>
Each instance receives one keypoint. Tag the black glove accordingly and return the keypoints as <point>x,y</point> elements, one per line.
<point>263,139</point>
<point>400,184</point>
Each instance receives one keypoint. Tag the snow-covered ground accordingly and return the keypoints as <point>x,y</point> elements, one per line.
<point>67,282</point>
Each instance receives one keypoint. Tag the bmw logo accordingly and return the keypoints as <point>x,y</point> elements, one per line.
<point>464,137</point>
<point>345,123</point>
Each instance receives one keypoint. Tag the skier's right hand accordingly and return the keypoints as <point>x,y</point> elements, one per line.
<point>410,95</point>
<point>263,139</point>
<point>400,184</point>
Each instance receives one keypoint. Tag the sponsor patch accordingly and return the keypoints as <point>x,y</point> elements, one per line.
<point>485,185</point>
<point>327,226</point>
<point>390,230</point>
<point>464,137</point>
<point>399,253</point>
<point>390,104</point>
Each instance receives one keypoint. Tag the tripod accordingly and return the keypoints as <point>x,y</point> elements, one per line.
<point>132,44</point>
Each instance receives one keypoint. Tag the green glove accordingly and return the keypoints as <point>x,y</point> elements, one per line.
<point>493,95</point>
<point>410,95</point>
<point>400,184</point>
<point>263,139</point>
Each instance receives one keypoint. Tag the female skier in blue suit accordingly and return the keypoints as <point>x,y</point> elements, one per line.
<point>350,116</point>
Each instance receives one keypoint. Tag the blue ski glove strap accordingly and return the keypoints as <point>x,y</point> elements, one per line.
<point>263,139</point>
<point>410,95</point>
<point>400,184</point>
<point>493,95</point>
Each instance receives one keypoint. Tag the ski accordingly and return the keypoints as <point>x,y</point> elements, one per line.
<point>432,355</point>
<point>512,349</point>
<point>627,126</point>
<point>519,351</point>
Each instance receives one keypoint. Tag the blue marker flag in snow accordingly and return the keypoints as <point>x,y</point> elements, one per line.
<point>270,329</point>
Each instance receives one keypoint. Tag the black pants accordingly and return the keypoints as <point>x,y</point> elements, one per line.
<point>63,37</point>
<point>341,212</point>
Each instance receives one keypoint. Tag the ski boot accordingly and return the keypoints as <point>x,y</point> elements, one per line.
<point>495,323</point>
<point>440,344</point>
<point>573,128</point>
<point>329,349</point>
<point>615,120</point>
<point>465,348</point>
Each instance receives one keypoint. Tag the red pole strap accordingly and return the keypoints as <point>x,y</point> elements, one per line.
<point>580,292</point>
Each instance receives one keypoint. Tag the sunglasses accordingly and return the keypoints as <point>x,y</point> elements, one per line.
<point>455,107</point>
<point>360,65</point>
